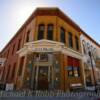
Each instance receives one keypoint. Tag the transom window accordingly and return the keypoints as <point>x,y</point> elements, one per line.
<point>43,57</point>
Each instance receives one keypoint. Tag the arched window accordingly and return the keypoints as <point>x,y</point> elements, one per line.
<point>41,30</point>
<point>62,35</point>
<point>50,32</point>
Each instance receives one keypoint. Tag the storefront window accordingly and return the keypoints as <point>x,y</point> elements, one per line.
<point>73,67</point>
<point>76,71</point>
<point>70,71</point>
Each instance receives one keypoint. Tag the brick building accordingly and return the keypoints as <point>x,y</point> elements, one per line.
<point>45,53</point>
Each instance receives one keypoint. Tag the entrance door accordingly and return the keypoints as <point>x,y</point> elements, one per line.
<point>42,78</point>
<point>43,83</point>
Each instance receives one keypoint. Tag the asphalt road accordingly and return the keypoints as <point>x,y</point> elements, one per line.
<point>49,98</point>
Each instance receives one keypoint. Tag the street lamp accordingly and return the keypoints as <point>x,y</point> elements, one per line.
<point>93,71</point>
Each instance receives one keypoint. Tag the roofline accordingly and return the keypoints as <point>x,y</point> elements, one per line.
<point>54,11</point>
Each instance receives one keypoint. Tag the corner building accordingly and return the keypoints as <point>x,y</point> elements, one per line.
<point>45,53</point>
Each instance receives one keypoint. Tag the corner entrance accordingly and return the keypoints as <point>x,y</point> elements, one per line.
<point>42,77</point>
<point>43,82</point>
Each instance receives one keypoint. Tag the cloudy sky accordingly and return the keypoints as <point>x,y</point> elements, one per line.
<point>13,13</point>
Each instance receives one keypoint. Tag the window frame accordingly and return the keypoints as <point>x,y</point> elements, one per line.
<point>70,70</point>
<point>50,31</point>
<point>70,39</point>
<point>73,63</point>
<point>28,36</point>
<point>62,35</point>
<point>77,42</point>
<point>13,48</point>
<point>19,44</point>
<point>41,32</point>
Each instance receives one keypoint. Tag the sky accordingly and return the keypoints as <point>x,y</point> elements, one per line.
<point>13,13</point>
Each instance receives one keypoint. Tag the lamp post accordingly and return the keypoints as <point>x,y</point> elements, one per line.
<point>93,71</point>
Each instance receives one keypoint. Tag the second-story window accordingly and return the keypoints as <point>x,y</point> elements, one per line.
<point>41,30</point>
<point>19,42</point>
<point>8,53</point>
<point>62,35</point>
<point>13,49</point>
<point>13,71</point>
<point>50,32</point>
<point>70,40</point>
<point>28,36</point>
<point>77,42</point>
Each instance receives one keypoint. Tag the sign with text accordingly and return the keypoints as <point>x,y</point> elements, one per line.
<point>43,49</point>
<point>9,86</point>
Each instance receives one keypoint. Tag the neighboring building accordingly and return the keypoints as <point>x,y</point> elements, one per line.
<point>91,55</point>
<point>45,53</point>
<point>2,62</point>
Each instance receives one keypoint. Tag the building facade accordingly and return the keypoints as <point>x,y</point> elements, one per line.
<point>45,54</point>
<point>91,60</point>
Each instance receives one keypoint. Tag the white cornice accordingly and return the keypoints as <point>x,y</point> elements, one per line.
<point>50,46</point>
<point>44,41</point>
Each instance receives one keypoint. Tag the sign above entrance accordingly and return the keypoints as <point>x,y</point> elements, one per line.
<point>43,49</point>
<point>41,46</point>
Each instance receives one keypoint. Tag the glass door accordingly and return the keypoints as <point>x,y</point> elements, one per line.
<point>42,77</point>
<point>43,83</point>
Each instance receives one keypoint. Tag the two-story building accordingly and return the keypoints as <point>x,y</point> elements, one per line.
<point>46,53</point>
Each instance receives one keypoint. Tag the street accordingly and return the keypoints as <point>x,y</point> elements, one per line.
<point>49,98</point>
